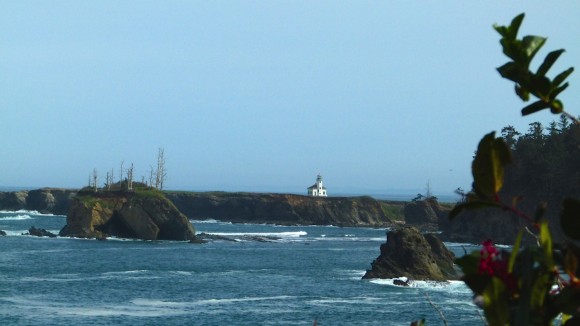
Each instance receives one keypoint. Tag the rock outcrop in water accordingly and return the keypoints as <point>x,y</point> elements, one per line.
<point>283,209</point>
<point>40,233</point>
<point>408,253</point>
<point>146,215</point>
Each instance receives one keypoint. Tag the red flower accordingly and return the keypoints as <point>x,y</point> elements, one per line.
<point>489,259</point>
<point>493,262</point>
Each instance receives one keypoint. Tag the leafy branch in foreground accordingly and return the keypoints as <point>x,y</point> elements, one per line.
<point>522,52</point>
<point>531,285</point>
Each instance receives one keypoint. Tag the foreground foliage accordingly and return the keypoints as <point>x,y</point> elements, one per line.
<point>539,284</point>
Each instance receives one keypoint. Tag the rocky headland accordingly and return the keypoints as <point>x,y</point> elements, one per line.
<point>283,209</point>
<point>144,214</point>
<point>236,207</point>
<point>427,215</point>
<point>410,254</point>
<point>46,200</point>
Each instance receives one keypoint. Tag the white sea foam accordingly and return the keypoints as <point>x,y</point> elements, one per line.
<point>208,221</point>
<point>295,234</point>
<point>445,285</point>
<point>15,232</point>
<point>348,301</point>
<point>27,212</point>
<point>43,306</point>
<point>16,217</point>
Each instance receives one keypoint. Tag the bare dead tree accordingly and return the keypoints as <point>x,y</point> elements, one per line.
<point>151,174</point>
<point>108,181</point>
<point>95,178</point>
<point>121,173</point>
<point>112,178</point>
<point>130,177</point>
<point>161,173</point>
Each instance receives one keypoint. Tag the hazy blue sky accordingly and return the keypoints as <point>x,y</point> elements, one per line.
<point>377,96</point>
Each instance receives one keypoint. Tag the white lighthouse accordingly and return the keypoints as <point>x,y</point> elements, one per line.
<point>317,189</point>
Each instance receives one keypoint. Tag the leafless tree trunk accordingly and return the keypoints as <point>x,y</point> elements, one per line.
<point>151,173</point>
<point>130,177</point>
<point>95,179</point>
<point>108,181</point>
<point>112,178</point>
<point>161,173</point>
<point>121,173</point>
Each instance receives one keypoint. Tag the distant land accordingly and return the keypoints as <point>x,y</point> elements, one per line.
<point>395,195</point>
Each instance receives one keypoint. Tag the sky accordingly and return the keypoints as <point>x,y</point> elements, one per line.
<point>261,96</point>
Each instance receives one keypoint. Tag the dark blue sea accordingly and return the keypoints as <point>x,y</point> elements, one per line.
<point>311,273</point>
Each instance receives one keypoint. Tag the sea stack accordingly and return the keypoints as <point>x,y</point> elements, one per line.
<point>408,253</point>
<point>142,214</point>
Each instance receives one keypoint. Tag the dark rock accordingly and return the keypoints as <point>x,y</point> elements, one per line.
<point>2,233</point>
<point>476,226</point>
<point>13,201</point>
<point>425,214</point>
<point>400,282</point>
<point>45,200</point>
<point>407,253</point>
<point>40,232</point>
<point>50,200</point>
<point>147,215</point>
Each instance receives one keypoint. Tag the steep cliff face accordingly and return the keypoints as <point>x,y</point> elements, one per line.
<point>148,216</point>
<point>407,253</point>
<point>45,200</point>
<point>425,214</point>
<point>282,209</point>
<point>237,207</point>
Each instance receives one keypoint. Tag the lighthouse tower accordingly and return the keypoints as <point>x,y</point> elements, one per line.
<point>317,189</point>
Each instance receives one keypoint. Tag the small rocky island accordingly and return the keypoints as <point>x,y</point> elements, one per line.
<point>408,253</point>
<point>143,213</point>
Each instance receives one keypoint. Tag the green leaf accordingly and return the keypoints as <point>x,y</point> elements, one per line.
<point>562,76</point>
<point>540,289</point>
<point>515,26</point>
<point>515,250</point>
<point>469,263</point>
<point>535,107</point>
<point>524,94</point>
<point>546,244</point>
<point>531,45</point>
<point>495,303</point>
<point>556,106</point>
<point>540,86</point>
<point>570,218</point>
<point>555,92</point>
<point>488,166</point>
<point>549,62</point>
<point>512,72</point>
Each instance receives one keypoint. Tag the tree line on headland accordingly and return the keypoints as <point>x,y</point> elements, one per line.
<point>545,160</point>
<point>156,179</point>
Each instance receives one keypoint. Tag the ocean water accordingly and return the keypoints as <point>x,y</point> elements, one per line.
<point>311,273</point>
